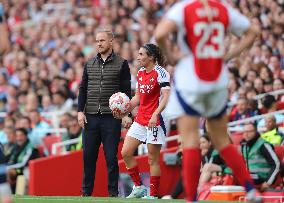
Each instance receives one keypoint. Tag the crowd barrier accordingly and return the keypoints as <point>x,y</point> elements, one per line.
<point>61,175</point>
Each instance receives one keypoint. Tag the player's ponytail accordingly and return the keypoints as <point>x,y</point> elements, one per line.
<point>154,51</point>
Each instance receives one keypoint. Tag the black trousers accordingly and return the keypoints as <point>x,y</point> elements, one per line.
<point>106,130</point>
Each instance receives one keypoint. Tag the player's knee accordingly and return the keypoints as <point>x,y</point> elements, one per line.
<point>126,154</point>
<point>152,160</point>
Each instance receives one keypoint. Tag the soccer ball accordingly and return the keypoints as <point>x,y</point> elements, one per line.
<point>119,102</point>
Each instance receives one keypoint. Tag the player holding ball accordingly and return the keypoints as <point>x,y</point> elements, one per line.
<point>152,92</point>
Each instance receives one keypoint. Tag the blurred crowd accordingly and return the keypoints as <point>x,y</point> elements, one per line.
<point>51,40</point>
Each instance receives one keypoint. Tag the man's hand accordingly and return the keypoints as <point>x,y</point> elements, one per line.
<point>153,121</point>
<point>126,121</point>
<point>82,119</point>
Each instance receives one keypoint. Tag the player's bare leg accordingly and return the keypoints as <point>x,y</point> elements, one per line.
<point>188,128</point>
<point>129,147</point>
<point>155,171</point>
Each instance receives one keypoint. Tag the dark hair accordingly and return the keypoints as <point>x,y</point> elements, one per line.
<point>254,124</point>
<point>155,51</point>
<point>206,137</point>
<point>268,101</point>
<point>22,130</point>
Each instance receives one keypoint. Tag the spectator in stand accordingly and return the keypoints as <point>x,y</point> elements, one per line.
<point>274,65</point>
<point>260,158</point>
<point>46,104</point>
<point>241,111</point>
<point>265,73</point>
<point>61,103</point>
<point>24,122</point>
<point>38,128</point>
<point>251,93</point>
<point>258,85</point>
<point>20,157</point>
<point>278,84</point>
<point>74,131</point>
<point>253,106</point>
<point>32,102</point>
<point>8,123</point>
<point>269,104</point>
<point>10,145</point>
<point>64,120</point>
<point>212,163</point>
<point>251,75</point>
<point>271,133</point>
<point>268,85</point>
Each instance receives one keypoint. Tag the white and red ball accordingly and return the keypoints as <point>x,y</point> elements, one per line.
<point>119,102</point>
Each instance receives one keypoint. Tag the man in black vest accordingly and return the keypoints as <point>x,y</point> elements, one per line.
<point>104,75</point>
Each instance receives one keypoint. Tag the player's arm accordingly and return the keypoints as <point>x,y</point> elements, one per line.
<point>165,92</point>
<point>162,31</point>
<point>165,96</point>
<point>135,101</point>
<point>246,42</point>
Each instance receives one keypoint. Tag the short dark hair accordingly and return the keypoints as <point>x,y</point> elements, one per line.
<point>22,130</point>
<point>254,124</point>
<point>268,101</point>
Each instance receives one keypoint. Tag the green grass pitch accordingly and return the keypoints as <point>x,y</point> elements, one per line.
<point>52,199</point>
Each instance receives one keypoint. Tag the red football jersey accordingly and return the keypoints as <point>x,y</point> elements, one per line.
<point>206,39</point>
<point>201,37</point>
<point>149,87</point>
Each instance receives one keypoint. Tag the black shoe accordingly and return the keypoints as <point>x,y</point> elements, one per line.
<point>85,195</point>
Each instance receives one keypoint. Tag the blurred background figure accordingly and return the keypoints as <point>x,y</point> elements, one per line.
<point>19,158</point>
<point>5,191</point>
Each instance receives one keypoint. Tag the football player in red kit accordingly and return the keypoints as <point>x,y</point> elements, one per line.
<point>200,81</point>
<point>153,87</point>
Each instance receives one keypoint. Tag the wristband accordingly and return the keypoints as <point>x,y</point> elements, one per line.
<point>129,115</point>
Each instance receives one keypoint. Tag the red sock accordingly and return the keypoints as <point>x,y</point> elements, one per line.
<point>134,174</point>
<point>154,185</point>
<point>191,172</point>
<point>236,162</point>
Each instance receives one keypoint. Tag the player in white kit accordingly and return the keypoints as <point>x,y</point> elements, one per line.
<point>200,81</point>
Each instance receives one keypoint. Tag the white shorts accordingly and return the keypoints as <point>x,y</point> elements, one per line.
<point>208,105</point>
<point>156,135</point>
